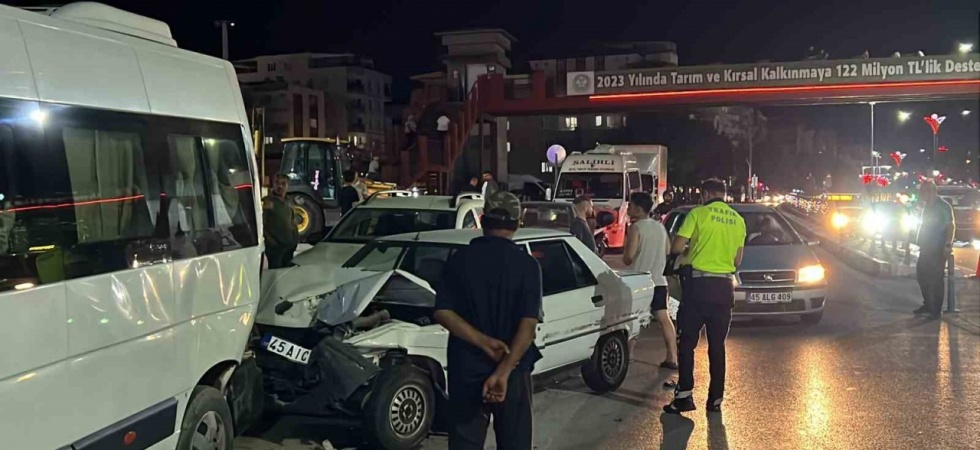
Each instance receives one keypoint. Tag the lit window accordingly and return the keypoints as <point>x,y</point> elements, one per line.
<point>598,121</point>
<point>508,147</point>
<point>571,122</point>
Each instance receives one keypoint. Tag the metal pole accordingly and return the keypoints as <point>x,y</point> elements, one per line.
<point>873,168</point>
<point>951,285</point>
<point>752,185</point>
<point>263,145</point>
<point>224,24</point>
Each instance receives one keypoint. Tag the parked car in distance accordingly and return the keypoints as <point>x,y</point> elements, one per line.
<point>392,212</point>
<point>381,305</point>
<point>549,215</point>
<point>779,275</point>
<point>966,210</point>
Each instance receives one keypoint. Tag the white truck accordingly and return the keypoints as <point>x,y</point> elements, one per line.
<point>365,345</point>
<point>609,174</point>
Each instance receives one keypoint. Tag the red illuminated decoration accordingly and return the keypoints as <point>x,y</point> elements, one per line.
<point>898,157</point>
<point>867,178</point>
<point>943,149</point>
<point>934,122</point>
<point>882,181</point>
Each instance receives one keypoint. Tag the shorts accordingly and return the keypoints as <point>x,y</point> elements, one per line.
<point>659,299</point>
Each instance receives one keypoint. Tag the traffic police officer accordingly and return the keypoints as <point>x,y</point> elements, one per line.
<point>713,235</point>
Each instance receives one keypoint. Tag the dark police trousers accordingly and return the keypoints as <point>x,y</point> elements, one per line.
<point>706,302</point>
<point>929,270</point>
<point>469,416</point>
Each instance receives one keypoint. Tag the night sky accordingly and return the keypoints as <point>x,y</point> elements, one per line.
<point>398,34</point>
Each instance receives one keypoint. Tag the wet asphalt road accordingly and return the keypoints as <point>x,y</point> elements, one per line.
<point>869,376</point>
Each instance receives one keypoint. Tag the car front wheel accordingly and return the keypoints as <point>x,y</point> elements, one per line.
<point>207,422</point>
<point>610,362</point>
<point>401,410</point>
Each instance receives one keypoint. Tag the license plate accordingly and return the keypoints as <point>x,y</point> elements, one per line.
<point>287,349</point>
<point>770,297</point>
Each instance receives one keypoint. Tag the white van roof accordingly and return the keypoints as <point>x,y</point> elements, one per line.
<point>113,19</point>
<point>88,54</point>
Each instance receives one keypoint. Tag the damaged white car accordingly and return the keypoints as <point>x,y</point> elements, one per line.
<point>365,345</point>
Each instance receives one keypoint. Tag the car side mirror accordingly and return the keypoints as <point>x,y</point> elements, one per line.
<point>604,219</point>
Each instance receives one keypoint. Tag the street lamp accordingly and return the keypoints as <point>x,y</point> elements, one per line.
<point>965,47</point>
<point>965,112</point>
<point>904,115</point>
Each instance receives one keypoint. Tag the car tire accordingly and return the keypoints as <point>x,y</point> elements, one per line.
<point>812,319</point>
<point>307,215</point>
<point>207,422</point>
<point>610,362</point>
<point>401,410</point>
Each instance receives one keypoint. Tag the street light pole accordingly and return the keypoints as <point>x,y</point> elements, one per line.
<point>224,25</point>
<point>873,168</point>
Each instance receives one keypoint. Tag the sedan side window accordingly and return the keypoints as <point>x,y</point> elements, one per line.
<point>426,262</point>
<point>469,221</point>
<point>558,271</point>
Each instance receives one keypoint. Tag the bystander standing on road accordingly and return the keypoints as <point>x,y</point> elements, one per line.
<point>713,235</point>
<point>374,169</point>
<point>646,250</point>
<point>349,196</point>
<point>582,206</point>
<point>489,185</point>
<point>280,232</point>
<point>489,298</point>
<point>935,240</point>
<point>662,209</point>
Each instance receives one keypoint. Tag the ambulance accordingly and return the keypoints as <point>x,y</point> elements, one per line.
<point>608,177</point>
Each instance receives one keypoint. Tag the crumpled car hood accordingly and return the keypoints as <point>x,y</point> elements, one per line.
<point>296,284</point>
<point>327,253</point>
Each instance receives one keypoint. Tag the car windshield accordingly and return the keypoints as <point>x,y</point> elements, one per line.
<point>555,216</point>
<point>365,224</point>
<point>764,228</point>
<point>596,185</point>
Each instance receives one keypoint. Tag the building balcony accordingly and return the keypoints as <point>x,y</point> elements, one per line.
<point>356,86</point>
<point>355,107</point>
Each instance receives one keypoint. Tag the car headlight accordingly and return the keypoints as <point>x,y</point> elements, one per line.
<point>840,220</point>
<point>910,222</point>
<point>873,223</point>
<point>810,274</point>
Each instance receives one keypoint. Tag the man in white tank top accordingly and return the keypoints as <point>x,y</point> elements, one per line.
<point>646,251</point>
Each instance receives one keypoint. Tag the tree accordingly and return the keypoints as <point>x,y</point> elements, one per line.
<point>742,126</point>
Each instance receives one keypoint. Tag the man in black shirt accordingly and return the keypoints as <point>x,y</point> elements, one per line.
<point>662,209</point>
<point>935,242</point>
<point>582,205</point>
<point>489,299</point>
<point>348,194</point>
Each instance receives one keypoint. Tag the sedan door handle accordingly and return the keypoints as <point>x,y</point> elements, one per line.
<point>596,300</point>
